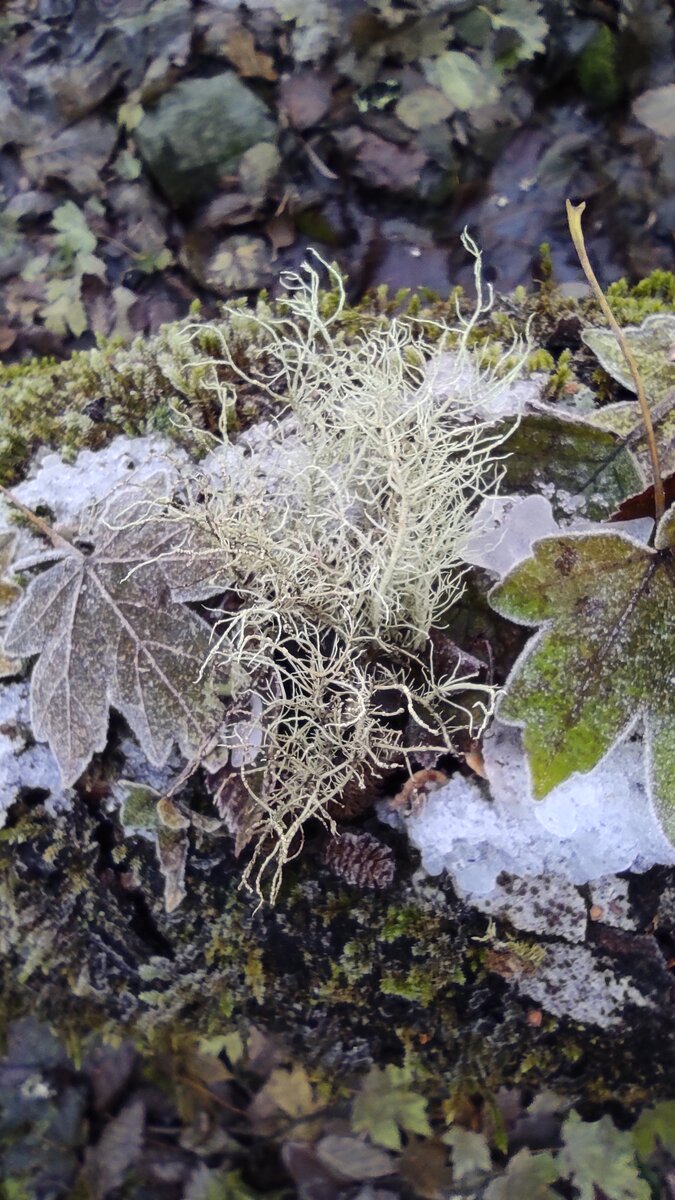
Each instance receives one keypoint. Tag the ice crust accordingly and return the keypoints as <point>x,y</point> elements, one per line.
<point>24,764</point>
<point>588,827</point>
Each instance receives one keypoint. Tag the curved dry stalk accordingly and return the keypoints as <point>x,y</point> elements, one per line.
<point>574,215</point>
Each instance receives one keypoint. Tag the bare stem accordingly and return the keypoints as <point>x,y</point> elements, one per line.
<point>574,214</point>
<point>60,543</point>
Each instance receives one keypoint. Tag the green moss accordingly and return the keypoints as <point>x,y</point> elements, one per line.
<point>597,69</point>
<point>655,293</point>
<point>540,360</point>
<point>421,984</point>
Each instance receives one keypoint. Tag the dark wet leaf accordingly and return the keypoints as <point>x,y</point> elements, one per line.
<point>351,1158</point>
<point>109,1162</point>
<point>305,99</point>
<point>109,634</point>
<point>380,163</point>
<point>313,1180</point>
<point>574,456</point>
<point>108,1069</point>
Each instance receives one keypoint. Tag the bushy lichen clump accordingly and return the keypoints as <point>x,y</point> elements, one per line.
<point>351,555</point>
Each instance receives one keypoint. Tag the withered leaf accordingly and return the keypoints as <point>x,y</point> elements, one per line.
<point>110,635</point>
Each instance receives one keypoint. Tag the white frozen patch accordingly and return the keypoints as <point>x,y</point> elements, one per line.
<point>545,904</point>
<point>505,528</point>
<point>450,375</point>
<point>25,766</point>
<point>588,827</point>
<point>67,489</point>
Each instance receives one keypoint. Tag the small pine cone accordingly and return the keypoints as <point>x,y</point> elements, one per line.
<point>234,805</point>
<point>360,859</point>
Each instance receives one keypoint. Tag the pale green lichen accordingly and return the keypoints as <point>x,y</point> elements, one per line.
<point>342,571</point>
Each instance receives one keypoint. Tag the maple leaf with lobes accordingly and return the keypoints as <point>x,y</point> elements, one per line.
<point>110,635</point>
<point>604,658</point>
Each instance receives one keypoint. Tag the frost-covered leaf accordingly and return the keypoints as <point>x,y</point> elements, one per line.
<point>109,634</point>
<point>625,419</point>
<point>353,1159</point>
<point>655,1127</point>
<point>386,1104</point>
<point>527,1177</point>
<point>470,1154</point>
<point>653,345</point>
<point>604,657</point>
<point>597,1155</point>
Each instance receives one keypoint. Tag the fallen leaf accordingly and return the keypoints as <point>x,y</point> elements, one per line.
<point>108,1163</point>
<point>470,1154</point>
<point>656,109</point>
<point>598,1155</point>
<point>653,345</point>
<point>305,99</point>
<point>655,1128</point>
<point>424,106</point>
<point>528,1177</point>
<point>382,164</point>
<point>604,658</point>
<point>351,1158</point>
<point>465,83</point>
<point>109,634</point>
<point>250,62</point>
<point>386,1104</point>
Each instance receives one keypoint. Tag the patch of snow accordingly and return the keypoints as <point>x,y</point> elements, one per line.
<point>505,528</point>
<point>450,375</point>
<point>545,904</point>
<point>25,765</point>
<point>67,489</point>
<point>591,826</point>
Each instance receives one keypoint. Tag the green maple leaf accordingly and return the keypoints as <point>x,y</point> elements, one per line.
<point>604,658</point>
<point>387,1104</point>
<point>597,1154</point>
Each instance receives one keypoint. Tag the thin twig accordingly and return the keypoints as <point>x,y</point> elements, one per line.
<point>45,529</point>
<point>574,214</point>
